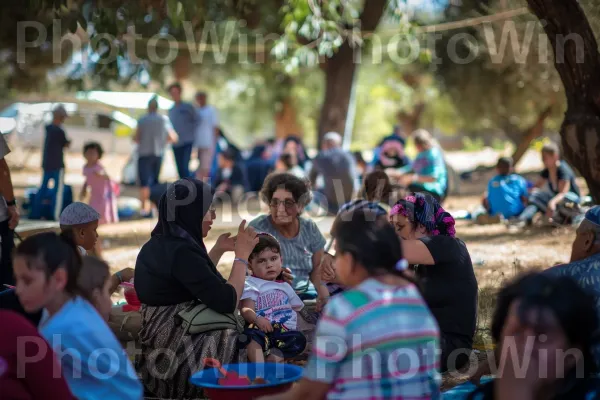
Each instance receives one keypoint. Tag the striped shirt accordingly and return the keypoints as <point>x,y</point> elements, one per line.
<point>377,341</point>
<point>296,252</point>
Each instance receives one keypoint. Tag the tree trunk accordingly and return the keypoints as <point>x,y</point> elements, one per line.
<point>286,120</point>
<point>182,66</point>
<point>410,121</point>
<point>578,63</point>
<point>530,134</point>
<point>339,74</point>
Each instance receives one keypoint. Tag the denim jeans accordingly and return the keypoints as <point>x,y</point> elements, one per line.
<point>56,175</point>
<point>183,155</point>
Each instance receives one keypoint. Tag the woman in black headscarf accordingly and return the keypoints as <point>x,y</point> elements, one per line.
<point>174,271</point>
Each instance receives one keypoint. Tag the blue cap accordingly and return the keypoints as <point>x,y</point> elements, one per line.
<point>593,215</point>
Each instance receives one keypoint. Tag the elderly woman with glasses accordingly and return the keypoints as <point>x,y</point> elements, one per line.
<point>302,244</point>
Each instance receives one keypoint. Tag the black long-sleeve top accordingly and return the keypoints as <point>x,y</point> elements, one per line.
<point>171,270</point>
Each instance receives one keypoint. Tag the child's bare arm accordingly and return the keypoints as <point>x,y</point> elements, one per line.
<point>248,310</point>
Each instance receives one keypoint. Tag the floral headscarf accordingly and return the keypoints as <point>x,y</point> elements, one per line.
<point>425,210</point>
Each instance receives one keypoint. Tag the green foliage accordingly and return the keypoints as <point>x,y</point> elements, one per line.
<point>473,144</point>
<point>504,90</point>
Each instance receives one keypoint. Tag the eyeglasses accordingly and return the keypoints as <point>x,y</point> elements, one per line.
<point>213,211</point>
<point>288,203</point>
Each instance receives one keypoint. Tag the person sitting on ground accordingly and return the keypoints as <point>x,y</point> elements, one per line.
<point>294,145</point>
<point>506,196</point>
<point>301,240</point>
<point>384,308</point>
<point>361,166</point>
<point>79,222</point>
<point>9,301</point>
<point>46,270</point>
<point>287,163</point>
<point>337,169</point>
<point>377,188</point>
<point>259,165</point>
<point>391,154</point>
<point>328,273</point>
<point>584,265</point>
<point>429,174</point>
<point>231,177</point>
<point>95,283</point>
<point>443,266</point>
<point>269,306</point>
<point>28,366</point>
<point>556,187</point>
<point>544,329</point>
<point>173,272</point>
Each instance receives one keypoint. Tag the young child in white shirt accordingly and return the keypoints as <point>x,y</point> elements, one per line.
<point>269,305</point>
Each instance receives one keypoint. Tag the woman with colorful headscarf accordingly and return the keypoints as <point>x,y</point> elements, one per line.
<point>443,267</point>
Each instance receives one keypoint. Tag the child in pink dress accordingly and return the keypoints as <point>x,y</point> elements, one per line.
<point>103,197</point>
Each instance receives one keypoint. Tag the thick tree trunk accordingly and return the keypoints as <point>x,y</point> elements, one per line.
<point>530,134</point>
<point>578,63</point>
<point>182,66</point>
<point>286,120</point>
<point>339,74</point>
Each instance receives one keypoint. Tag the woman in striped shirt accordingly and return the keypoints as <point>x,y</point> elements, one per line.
<point>378,339</point>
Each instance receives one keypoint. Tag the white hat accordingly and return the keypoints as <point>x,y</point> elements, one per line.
<point>78,214</point>
<point>333,137</point>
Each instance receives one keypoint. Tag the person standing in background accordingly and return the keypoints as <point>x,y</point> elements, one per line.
<point>152,135</point>
<point>185,122</point>
<point>338,169</point>
<point>53,157</point>
<point>206,134</point>
<point>9,217</point>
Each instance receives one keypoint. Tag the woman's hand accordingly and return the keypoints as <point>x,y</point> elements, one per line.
<point>124,275</point>
<point>127,274</point>
<point>245,242</point>
<point>287,275</point>
<point>226,242</point>
<point>263,324</point>
<point>328,273</point>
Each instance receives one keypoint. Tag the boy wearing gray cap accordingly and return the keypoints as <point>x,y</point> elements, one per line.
<point>79,222</point>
